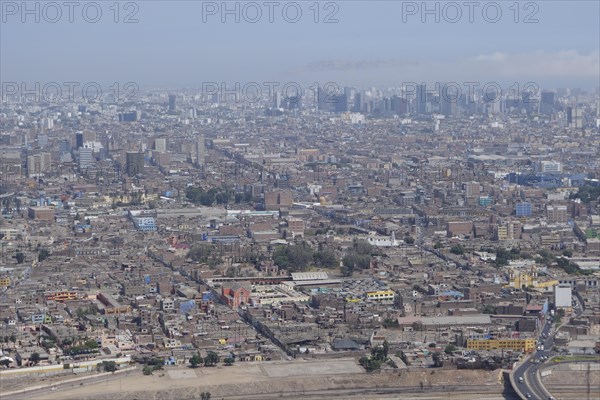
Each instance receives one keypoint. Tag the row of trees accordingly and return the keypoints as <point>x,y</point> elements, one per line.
<point>300,256</point>
<point>210,360</point>
<point>358,257</point>
<point>587,193</point>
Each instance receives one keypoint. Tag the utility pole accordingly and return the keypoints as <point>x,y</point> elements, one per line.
<point>588,381</point>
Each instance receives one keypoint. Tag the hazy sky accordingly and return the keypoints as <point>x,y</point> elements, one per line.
<point>373,43</point>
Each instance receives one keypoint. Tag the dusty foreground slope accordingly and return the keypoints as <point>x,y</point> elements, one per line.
<point>300,379</point>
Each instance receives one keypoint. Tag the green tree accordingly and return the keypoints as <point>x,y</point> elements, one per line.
<point>5,363</point>
<point>156,363</point>
<point>294,257</point>
<point>205,396</point>
<point>108,366</point>
<point>211,359</point>
<point>196,360</point>
<point>354,260</point>
<point>201,252</point>
<point>450,349</point>
<point>20,257</point>
<point>148,370</point>
<point>457,249</point>
<point>229,360</point>
<point>362,247</point>
<point>370,364</point>
<point>326,259</point>
<point>587,193</point>
<point>43,254</point>
<point>409,240</point>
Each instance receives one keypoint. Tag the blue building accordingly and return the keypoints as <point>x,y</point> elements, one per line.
<point>485,200</point>
<point>145,224</point>
<point>523,209</point>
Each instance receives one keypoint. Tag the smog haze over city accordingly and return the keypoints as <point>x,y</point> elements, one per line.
<point>304,199</point>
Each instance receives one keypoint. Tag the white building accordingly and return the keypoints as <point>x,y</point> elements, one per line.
<point>562,295</point>
<point>383,241</point>
<point>160,145</point>
<point>551,166</point>
<point>86,158</point>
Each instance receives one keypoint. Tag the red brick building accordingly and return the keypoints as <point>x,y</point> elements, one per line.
<point>236,294</point>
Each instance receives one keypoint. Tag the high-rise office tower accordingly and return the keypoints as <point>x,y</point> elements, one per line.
<point>134,163</point>
<point>349,92</point>
<point>78,140</point>
<point>172,103</point>
<point>529,102</point>
<point>340,103</point>
<point>86,158</point>
<point>37,164</point>
<point>492,102</point>
<point>276,100</point>
<point>47,123</point>
<point>547,103</point>
<point>324,100</point>
<point>200,157</point>
<point>421,99</point>
<point>64,146</point>
<point>398,105</point>
<point>89,136</point>
<point>358,102</point>
<point>574,117</point>
<point>449,101</point>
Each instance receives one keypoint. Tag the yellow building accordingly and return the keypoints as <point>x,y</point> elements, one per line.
<point>64,295</point>
<point>519,279</point>
<point>526,345</point>
<point>381,295</point>
<point>4,281</point>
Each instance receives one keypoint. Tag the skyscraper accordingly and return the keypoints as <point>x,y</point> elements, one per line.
<point>276,100</point>
<point>172,104</point>
<point>134,163</point>
<point>78,140</point>
<point>421,99</point>
<point>200,151</point>
<point>37,164</point>
<point>358,102</point>
<point>449,101</point>
<point>574,117</point>
<point>547,103</point>
<point>86,158</point>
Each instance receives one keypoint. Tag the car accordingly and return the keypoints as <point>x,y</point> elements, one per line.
<point>528,395</point>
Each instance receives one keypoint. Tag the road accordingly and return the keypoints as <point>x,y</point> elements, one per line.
<point>532,386</point>
<point>445,393</point>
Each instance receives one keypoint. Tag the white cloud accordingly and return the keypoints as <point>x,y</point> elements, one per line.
<point>565,63</point>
